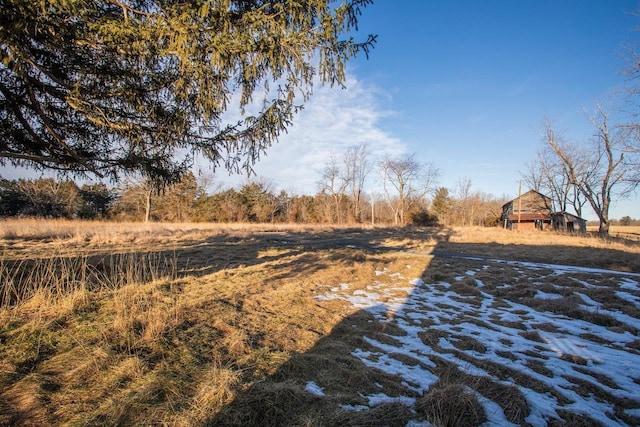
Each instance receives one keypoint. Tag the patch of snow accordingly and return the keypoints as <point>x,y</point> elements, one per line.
<point>635,300</point>
<point>572,346</point>
<point>633,412</point>
<point>627,283</point>
<point>585,284</point>
<point>355,408</point>
<point>542,406</point>
<point>416,282</point>
<point>423,378</point>
<point>340,287</point>
<point>544,295</point>
<point>493,411</point>
<point>568,269</point>
<point>587,300</point>
<point>380,398</point>
<point>510,317</point>
<point>565,352</point>
<point>557,269</point>
<point>445,344</point>
<point>314,389</point>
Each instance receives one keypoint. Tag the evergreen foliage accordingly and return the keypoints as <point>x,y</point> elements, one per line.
<point>442,203</point>
<point>50,198</point>
<point>424,218</point>
<point>106,87</point>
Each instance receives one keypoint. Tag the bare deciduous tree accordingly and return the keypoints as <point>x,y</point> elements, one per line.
<point>333,183</point>
<point>406,181</point>
<point>136,196</point>
<point>177,201</point>
<point>632,127</point>
<point>547,174</point>
<point>356,162</point>
<point>50,197</point>
<point>465,202</point>
<point>597,168</point>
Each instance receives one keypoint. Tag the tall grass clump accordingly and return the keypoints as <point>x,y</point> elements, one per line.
<point>59,276</point>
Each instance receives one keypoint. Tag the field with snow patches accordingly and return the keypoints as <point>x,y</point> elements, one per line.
<point>569,349</point>
<point>203,325</point>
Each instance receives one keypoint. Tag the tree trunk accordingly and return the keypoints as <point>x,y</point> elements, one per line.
<point>603,215</point>
<point>604,227</point>
<point>147,213</point>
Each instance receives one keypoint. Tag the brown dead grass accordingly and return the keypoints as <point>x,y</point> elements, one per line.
<point>620,231</point>
<point>230,329</point>
<point>451,405</point>
<point>590,250</point>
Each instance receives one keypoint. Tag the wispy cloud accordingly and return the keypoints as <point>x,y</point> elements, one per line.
<point>332,120</point>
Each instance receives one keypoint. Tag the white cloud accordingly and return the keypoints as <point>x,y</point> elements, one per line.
<point>332,120</point>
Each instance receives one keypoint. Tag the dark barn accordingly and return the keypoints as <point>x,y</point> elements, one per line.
<point>533,210</point>
<point>530,211</point>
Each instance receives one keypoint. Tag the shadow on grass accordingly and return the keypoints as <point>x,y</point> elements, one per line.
<point>351,376</point>
<point>397,363</point>
<point>334,384</point>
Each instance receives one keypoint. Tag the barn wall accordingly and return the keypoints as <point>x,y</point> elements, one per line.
<point>532,202</point>
<point>529,225</point>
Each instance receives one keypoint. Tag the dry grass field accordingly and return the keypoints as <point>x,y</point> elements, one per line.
<point>624,231</point>
<point>195,324</point>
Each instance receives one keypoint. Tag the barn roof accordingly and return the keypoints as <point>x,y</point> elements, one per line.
<point>567,214</point>
<point>524,194</point>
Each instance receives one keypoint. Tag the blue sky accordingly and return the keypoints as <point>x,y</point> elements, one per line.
<point>464,85</point>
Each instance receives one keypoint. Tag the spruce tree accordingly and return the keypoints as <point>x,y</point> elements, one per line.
<point>105,87</point>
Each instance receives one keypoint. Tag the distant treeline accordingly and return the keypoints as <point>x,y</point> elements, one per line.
<point>625,220</point>
<point>188,201</point>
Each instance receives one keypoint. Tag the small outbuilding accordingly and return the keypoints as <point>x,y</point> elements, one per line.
<point>564,221</point>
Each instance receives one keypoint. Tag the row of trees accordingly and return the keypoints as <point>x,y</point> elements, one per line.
<point>464,207</point>
<point>47,197</point>
<point>255,201</point>
<point>405,184</point>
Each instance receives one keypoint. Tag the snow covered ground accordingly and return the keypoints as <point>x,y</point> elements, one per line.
<point>566,337</point>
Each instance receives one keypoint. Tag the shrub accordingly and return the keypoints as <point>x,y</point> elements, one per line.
<point>424,218</point>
